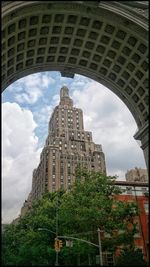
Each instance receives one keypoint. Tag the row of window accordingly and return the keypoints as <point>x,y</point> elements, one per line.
<point>68,110</point>
<point>130,190</point>
<point>69,120</point>
<point>70,126</point>
<point>62,184</point>
<point>62,181</point>
<point>76,157</point>
<point>69,117</point>
<point>73,134</point>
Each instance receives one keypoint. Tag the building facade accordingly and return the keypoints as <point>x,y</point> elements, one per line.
<point>137,175</point>
<point>67,146</point>
<point>138,192</point>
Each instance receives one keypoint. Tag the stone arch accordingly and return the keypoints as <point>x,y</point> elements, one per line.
<point>103,40</point>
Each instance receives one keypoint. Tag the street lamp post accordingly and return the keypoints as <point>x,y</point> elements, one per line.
<point>100,248</point>
<point>56,263</point>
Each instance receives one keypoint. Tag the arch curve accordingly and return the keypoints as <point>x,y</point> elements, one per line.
<point>103,40</point>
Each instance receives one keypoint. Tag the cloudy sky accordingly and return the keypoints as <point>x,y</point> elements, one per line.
<point>27,106</point>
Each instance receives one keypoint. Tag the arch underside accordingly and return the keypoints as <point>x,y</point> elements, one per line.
<point>101,42</point>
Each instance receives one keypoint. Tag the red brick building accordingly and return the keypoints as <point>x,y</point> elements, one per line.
<point>138,192</point>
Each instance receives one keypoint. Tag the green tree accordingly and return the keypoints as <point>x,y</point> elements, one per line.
<point>131,258</point>
<point>90,204</point>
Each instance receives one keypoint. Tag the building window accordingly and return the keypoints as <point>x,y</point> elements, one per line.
<point>146,208</point>
<point>69,171</point>
<point>129,190</point>
<point>144,190</point>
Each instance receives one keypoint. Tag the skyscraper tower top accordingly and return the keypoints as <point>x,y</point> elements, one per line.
<point>67,147</point>
<point>64,91</point>
<point>65,100</point>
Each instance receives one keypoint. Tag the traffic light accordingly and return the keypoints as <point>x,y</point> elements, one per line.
<point>58,244</point>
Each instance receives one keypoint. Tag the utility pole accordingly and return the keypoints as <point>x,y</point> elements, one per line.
<point>56,263</point>
<point>88,242</point>
<point>100,248</point>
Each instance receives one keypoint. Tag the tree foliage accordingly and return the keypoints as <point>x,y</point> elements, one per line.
<point>131,258</point>
<point>90,204</point>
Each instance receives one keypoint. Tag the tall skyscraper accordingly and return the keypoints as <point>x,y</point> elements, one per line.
<point>67,146</point>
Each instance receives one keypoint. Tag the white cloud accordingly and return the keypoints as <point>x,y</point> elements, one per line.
<point>20,157</point>
<point>30,88</point>
<point>55,100</point>
<point>112,126</point>
<point>79,82</point>
<point>42,115</point>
